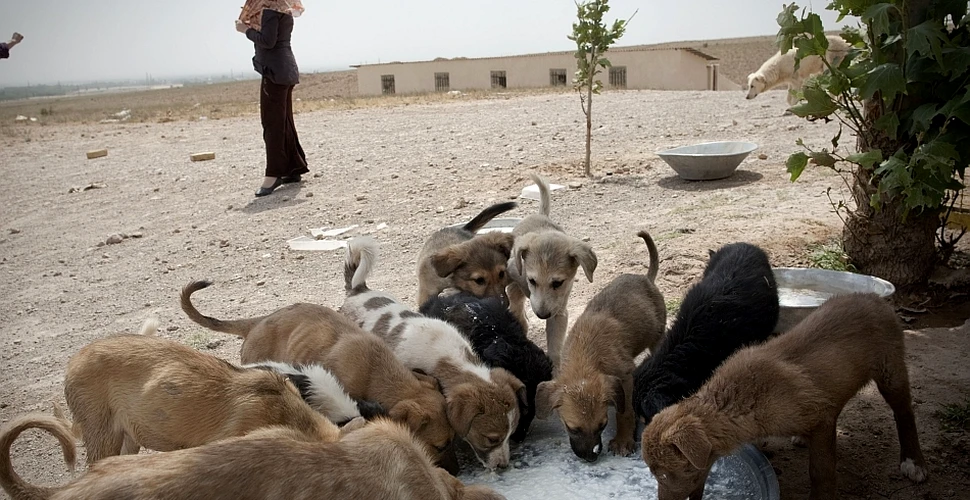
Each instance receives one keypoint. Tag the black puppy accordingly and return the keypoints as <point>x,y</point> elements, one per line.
<point>497,337</point>
<point>735,304</point>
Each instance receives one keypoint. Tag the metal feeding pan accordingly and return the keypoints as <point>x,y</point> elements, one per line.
<point>707,161</point>
<point>801,290</point>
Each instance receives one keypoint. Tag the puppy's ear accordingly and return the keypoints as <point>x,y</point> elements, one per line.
<point>517,386</point>
<point>710,253</point>
<point>584,254</point>
<point>521,251</point>
<point>502,242</point>
<point>447,260</point>
<point>548,398</point>
<point>617,394</point>
<point>687,435</point>
<point>463,406</point>
<point>426,380</point>
<point>353,425</point>
<point>410,413</point>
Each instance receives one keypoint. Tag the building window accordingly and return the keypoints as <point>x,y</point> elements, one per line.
<point>387,84</point>
<point>498,80</point>
<point>441,82</point>
<point>618,77</point>
<point>557,77</point>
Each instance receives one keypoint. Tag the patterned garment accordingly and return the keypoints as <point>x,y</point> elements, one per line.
<point>252,11</point>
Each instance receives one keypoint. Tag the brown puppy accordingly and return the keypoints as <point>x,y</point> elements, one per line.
<point>130,391</point>
<point>454,257</point>
<point>363,363</point>
<point>543,266</point>
<point>624,319</point>
<point>377,462</point>
<point>795,384</point>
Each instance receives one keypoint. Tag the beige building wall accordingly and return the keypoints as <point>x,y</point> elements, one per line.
<point>671,69</point>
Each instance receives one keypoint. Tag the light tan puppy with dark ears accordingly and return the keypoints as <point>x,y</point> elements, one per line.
<point>795,384</point>
<point>624,319</point>
<point>455,257</point>
<point>543,265</point>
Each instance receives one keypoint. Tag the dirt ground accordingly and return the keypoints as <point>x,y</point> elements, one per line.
<point>68,280</point>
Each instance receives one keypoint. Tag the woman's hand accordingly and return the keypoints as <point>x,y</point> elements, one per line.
<point>17,37</point>
<point>241,26</point>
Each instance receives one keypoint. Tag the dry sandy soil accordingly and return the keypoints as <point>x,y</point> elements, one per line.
<point>414,168</point>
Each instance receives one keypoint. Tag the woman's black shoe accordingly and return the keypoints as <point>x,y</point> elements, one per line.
<point>267,191</point>
<point>291,179</point>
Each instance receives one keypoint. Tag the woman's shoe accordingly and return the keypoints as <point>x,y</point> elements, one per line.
<point>291,179</point>
<point>267,191</point>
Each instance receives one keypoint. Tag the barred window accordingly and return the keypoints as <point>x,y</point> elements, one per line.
<point>557,77</point>
<point>498,80</point>
<point>387,84</point>
<point>618,77</point>
<point>441,82</point>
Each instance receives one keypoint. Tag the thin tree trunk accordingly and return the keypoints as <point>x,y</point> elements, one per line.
<point>589,128</point>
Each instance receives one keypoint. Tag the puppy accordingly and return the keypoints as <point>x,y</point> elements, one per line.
<point>624,319</point>
<point>543,265</point>
<point>456,258</point>
<point>363,364</point>
<point>482,403</point>
<point>734,304</point>
<point>795,384</point>
<point>323,392</point>
<point>131,391</point>
<point>381,461</point>
<point>497,337</point>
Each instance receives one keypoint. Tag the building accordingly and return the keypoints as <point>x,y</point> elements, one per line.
<point>635,67</point>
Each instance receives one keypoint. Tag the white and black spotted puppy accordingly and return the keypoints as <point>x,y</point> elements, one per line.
<point>323,392</point>
<point>482,402</point>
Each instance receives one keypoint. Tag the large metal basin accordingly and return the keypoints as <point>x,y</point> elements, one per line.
<point>801,290</point>
<point>707,161</point>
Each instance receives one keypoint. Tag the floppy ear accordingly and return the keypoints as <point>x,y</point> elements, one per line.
<point>410,413</point>
<point>584,254</point>
<point>687,435</point>
<point>502,242</point>
<point>426,380</point>
<point>548,398</point>
<point>521,251</point>
<point>447,260</point>
<point>618,394</point>
<point>517,386</point>
<point>463,407</point>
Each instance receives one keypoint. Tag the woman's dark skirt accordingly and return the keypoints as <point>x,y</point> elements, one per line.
<point>284,155</point>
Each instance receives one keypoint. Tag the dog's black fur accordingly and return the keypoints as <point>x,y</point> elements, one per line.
<point>735,304</point>
<point>368,409</point>
<point>497,337</point>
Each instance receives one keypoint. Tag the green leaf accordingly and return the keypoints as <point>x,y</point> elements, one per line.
<point>877,17</point>
<point>892,165</point>
<point>888,123</point>
<point>922,116</point>
<point>962,113</point>
<point>956,60</point>
<point>823,159</point>
<point>796,164</point>
<point>886,78</point>
<point>926,39</point>
<point>866,160</point>
<point>817,104</point>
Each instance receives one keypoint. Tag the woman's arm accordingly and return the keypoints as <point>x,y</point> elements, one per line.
<point>266,36</point>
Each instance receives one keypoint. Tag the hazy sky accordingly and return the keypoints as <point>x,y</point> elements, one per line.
<point>71,40</point>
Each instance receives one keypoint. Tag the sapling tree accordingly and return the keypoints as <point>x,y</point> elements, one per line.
<point>593,39</point>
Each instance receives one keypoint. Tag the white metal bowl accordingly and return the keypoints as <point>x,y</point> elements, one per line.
<point>707,161</point>
<point>505,225</point>
<point>802,290</point>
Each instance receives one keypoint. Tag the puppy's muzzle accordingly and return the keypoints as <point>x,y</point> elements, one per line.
<point>587,447</point>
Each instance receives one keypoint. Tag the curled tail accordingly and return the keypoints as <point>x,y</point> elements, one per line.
<point>149,328</point>
<point>654,257</point>
<point>544,199</point>
<point>488,214</point>
<point>362,253</point>
<point>240,327</point>
<point>12,483</point>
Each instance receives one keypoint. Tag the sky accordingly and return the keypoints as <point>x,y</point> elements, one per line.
<point>85,40</point>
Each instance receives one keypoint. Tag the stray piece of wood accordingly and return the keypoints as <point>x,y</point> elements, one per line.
<point>203,156</point>
<point>98,153</point>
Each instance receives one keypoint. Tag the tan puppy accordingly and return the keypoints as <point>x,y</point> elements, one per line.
<point>130,391</point>
<point>380,461</point>
<point>455,257</point>
<point>544,263</point>
<point>624,319</point>
<point>363,363</point>
<point>795,384</point>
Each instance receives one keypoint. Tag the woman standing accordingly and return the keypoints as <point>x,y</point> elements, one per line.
<point>269,24</point>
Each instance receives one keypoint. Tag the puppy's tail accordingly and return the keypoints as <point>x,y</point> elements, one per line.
<point>240,327</point>
<point>654,257</point>
<point>149,328</point>
<point>362,253</point>
<point>488,214</point>
<point>12,483</point>
<point>545,201</point>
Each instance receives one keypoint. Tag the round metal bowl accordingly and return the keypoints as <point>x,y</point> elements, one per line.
<point>802,290</point>
<point>707,161</point>
<point>505,225</point>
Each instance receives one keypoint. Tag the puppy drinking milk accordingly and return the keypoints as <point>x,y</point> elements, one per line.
<point>624,319</point>
<point>795,384</point>
<point>131,391</point>
<point>455,257</point>
<point>482,403</point>
<point>380,461</point>
<point>362,363</point>
<point>543,265</point>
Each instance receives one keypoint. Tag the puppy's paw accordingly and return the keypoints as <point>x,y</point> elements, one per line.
<point>915,473</point>
<point>622,447</point>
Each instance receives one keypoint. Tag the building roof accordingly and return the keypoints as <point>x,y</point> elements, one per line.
<point>630,48</point>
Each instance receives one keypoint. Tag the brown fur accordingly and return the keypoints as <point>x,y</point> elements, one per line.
<point>624,319</point>
<point>458,258</point>
<point>377,462</point>
<point>130,391</point>
<point>364,365</point>
<point>793,385</point>
<point>543,266</point>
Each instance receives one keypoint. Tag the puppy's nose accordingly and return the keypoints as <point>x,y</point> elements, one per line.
<point>749,96</point>
<point>542,314</point>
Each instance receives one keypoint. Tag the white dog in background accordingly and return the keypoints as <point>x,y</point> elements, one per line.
<point>780,69</point>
